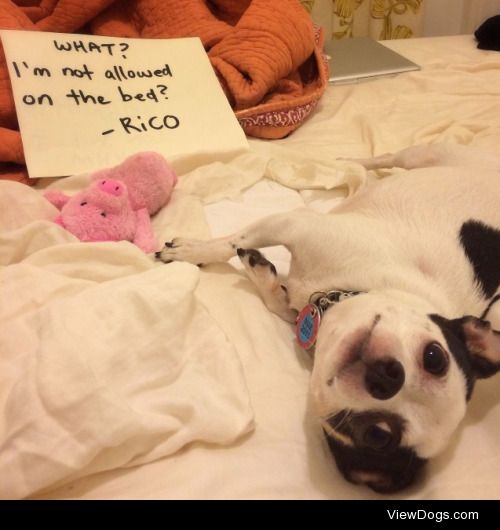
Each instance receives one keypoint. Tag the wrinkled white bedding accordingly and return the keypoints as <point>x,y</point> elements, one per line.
<point>107,360</point>
<point>176,382</point>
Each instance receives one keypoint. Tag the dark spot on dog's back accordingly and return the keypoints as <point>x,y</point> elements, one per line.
<point>481,244</point>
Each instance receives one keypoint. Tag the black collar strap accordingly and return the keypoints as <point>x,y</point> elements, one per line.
<point>308,320</point>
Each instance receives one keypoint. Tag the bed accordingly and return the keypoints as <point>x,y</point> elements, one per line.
<point>123,378</point>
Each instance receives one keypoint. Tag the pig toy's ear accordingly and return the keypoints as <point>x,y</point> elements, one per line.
<point>57,198</point>
<point>144,237</point>
<point>59,220</point>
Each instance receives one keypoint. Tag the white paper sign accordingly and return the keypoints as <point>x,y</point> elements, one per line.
<point>87,102</point>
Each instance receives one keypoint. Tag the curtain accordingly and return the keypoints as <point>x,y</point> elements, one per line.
<point>455,17</point>
<point>379,19</point>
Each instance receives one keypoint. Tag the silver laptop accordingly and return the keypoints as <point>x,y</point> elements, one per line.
<point>362,58</point>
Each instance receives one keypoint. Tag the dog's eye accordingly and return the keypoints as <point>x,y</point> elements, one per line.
<point>376,437</point>
<point>435,359</point>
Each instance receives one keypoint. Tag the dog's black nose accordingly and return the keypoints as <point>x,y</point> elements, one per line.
<point>157,255</point>
<point>384,379</point>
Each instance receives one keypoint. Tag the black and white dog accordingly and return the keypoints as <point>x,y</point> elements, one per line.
<point>395,288</point>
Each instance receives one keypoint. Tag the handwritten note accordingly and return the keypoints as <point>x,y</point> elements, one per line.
<point>87,102</point>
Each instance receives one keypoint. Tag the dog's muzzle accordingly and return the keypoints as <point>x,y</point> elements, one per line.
<point>373,455</point>
<point>384,379</point>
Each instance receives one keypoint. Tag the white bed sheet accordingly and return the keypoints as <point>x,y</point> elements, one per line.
<point>454,98</point>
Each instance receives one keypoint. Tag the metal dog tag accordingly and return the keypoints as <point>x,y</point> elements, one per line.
<point>307,325</point>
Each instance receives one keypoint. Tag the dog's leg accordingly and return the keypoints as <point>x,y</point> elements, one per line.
<point>409,158</point>
<point>270,231</point>
<point>433,155</point>
<point>386,160</point>
<point>263,275</point>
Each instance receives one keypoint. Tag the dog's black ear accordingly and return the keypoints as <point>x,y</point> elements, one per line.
<point>483,343</point>
<point>473,343</point>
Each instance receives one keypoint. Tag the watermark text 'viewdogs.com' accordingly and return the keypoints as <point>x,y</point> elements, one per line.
<point>438,516</point>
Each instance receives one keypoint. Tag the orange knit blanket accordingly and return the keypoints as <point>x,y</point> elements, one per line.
<point>264,53</point>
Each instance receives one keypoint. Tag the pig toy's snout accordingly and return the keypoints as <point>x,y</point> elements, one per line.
<point>111,186</point>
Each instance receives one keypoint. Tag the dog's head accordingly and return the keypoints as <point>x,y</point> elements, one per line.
<point>390,383</point>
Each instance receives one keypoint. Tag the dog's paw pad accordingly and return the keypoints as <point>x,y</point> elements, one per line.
<point>253,259</point>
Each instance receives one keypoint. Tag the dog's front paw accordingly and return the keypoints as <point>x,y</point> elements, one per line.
<point>180,249</point>
<point>264,276</point>
<point>257,266</point>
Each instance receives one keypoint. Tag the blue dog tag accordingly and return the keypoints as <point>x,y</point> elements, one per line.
<point>307,325</point>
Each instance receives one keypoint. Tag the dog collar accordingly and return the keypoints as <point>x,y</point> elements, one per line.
<point>309,318</point>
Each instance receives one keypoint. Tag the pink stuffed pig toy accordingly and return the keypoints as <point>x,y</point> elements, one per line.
<point>118,203</point>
